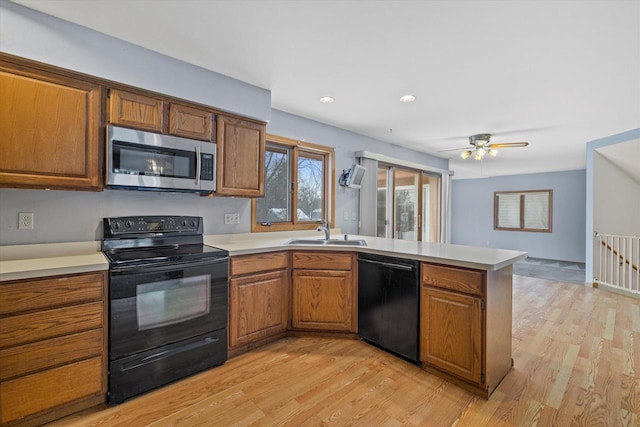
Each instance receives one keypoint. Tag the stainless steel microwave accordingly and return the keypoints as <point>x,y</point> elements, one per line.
<point>140,160</point>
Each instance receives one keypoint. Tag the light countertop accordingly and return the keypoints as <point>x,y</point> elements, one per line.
<point>457,255</point>
<point>49,259</point>
<point>31,261</point>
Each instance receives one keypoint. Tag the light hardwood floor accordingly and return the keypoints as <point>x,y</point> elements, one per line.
<point>577,363</point>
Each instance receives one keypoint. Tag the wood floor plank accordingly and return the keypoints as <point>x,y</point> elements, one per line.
<point>576,352</point>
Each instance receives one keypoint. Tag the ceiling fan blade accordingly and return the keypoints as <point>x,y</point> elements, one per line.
<point>457,149</point>
<point>508,145</point>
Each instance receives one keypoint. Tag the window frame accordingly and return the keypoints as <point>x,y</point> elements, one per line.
<point>523,193</point>
<point>315,151</point>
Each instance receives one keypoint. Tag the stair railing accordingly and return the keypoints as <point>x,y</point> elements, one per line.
<point>617,259</point>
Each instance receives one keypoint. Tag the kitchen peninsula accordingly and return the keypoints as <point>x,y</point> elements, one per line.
<point>465,305</point>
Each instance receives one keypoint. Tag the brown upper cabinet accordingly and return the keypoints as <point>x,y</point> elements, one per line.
<point>148,113</point>
<point>52,124</point>
<point>190,122</point>
<point>137,111</point>
<point>241,151</point>
<point>49,130</point>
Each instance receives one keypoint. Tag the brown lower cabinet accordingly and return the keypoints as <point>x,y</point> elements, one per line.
<point>53,347</point>
<point>258,299</point>
<point>465,330</point>
<point>324,292</point>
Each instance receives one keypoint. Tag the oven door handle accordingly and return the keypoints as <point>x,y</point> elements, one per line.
<point>156,267</point>
<point>166,353</point>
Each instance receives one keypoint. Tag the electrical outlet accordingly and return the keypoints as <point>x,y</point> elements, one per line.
<point>25,221</point>
<point>345,215</point>
<point>231,218</point>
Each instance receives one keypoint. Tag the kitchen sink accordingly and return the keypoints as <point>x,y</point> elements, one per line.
<point>339,242</point>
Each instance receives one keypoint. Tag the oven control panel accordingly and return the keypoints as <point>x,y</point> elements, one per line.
<point>114,227</point>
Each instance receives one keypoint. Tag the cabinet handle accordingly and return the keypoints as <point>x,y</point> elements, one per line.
<point>388,264</point>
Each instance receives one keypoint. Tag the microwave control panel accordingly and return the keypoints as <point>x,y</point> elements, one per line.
<point>206,168</point>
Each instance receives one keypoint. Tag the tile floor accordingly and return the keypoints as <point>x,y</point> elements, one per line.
<point>562,271</point>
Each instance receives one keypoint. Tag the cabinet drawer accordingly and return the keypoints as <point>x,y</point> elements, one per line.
<point>455,279</point>
<point>46,324</point>
<point>28,358</point>
<point>25,295</point>
<point>323,260</point>
<point>45,390</point>
<point>258,263</point>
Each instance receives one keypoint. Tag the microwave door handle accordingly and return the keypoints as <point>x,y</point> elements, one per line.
<point>198,164</point>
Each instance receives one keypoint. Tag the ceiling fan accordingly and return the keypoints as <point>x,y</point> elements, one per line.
<point>480,146</point>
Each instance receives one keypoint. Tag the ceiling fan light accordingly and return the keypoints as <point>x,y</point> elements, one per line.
<point>478,156</point>
<point>481,151</point>
<point>466,154</point>
<point>493,152</point>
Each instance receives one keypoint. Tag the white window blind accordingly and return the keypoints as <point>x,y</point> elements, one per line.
<point>509,210</point>
<point>536,211</point>
<point>523,210</point>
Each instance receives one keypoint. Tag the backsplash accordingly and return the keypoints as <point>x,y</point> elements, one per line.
<point>75,216</point>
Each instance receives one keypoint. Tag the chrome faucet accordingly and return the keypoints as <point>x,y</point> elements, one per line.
<point>324,227</point>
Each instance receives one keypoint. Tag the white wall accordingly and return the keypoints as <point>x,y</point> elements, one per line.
<point>616,199</point>
<point>592,146</point>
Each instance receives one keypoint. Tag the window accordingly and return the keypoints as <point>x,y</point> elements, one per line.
<point>523,210</point>
<point>297,180</point>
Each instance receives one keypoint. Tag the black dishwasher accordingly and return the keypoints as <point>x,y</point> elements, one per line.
<point>389,303</point>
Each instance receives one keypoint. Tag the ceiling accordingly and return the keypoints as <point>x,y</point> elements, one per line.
<point>557,74</point>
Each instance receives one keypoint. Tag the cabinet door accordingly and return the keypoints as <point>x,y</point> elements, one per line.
<point>49,131</point>
<point>190,122</point>
<point>240,165</point>
<point>450,335</point>
<point>136,111</point>
<point>322,300</point>
<point>258,306</point>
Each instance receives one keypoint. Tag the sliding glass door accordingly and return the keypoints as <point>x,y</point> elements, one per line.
<point>405,196</point>
<point>408,204</point>
<point>430,224</point>
<point>383,204</point>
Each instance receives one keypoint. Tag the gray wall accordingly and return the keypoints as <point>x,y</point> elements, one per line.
<point>346,143</point>
<point>30,34</point>
<point>67,216</point>
<point>71,216</point>
<point>472,215</point>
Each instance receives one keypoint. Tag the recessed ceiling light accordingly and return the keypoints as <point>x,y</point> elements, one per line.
<point>407,98</point>
<point>327,99</point>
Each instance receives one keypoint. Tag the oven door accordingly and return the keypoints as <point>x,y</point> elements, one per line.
<point>151,306</point>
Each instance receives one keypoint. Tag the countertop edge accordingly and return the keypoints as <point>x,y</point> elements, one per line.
<point>365,249</point>
<point>89,258</point>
